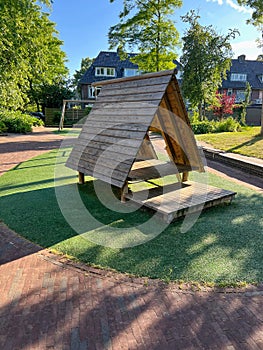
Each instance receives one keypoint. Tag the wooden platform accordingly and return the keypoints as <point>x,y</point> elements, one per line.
<point>177,200</point>
<point>154,169</point>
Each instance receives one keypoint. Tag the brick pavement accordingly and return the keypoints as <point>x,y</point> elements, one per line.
<point>47,302</point>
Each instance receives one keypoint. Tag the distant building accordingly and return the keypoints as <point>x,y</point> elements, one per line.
<point>107,65</point>
<point>243,71</point>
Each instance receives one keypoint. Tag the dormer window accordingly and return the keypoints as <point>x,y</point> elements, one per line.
<point>105,71</point>
<point>238,77</point>
<point>260,77</point>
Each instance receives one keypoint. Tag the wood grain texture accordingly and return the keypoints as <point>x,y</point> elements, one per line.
<point>115,135</point>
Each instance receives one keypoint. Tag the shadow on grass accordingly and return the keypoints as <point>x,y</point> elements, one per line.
<point>225,244</point>
<point>250,142</point>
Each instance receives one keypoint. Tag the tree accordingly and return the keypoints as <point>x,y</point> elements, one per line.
<point>224,106</point>
<point>146,26</point>
<point>244,104</point>
<point>260,58</point>
<point>30,53</point>
<point>257,14</point>
<point>257,20</point>
<point>85,64</point>
<point>52,96</point>
<point>206,58</point>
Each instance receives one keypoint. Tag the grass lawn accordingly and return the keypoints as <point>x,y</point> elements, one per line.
<point>224,246</point>
<point>247,142</point>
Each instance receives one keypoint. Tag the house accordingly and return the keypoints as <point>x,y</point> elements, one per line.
<point>107,65</point>
<point>241,72</point>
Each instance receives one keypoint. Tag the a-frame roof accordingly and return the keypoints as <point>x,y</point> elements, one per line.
<point>117,125</point>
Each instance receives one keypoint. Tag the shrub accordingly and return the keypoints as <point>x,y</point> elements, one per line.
<point>203,127</point>
<point>224,125</point>
<point>18,122</point>
<point>228,125</point>
<point>3,128</point>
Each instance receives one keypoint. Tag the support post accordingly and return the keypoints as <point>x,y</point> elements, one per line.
<point>124,191</point>
<point>81,178</point>
<point>185,176</point>
<point>61,123</point>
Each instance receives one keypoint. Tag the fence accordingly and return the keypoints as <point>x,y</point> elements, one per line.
<point>71,116</point>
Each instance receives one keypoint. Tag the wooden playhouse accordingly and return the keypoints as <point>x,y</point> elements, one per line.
<point>115,145</point>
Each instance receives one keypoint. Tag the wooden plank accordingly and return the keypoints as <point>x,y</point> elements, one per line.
<point>139,112</point>
<point>153,98</point>
<point>115,90</point>
<point>102,139</point>
<point>178,202</point>
<point>110,163</point>
<point>150,76</point>
<point>100,170</point>
<point>154,169</point>
<point>112,125</point>
<point>111,181</point>
<point>120,134</point>
<point>114,151</point>
<point>124,119</point>
<point>133,105</point>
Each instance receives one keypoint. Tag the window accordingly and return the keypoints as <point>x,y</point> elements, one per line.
<point>229,92</point>
<point>131,72</point>
<point>240,95</point>
<point>260,77</point>
<point>92,92</point>
<point>238,77</point>
<point>105,71</point>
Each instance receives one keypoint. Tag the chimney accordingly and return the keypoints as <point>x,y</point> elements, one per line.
<point>241,58</point>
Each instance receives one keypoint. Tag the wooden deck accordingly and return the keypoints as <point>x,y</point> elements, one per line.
<point>177,200</point>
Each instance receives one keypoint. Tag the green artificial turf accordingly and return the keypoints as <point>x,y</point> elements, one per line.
<point>224,245</point>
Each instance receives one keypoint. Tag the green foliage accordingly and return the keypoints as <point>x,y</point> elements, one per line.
<point>3,127</point>
<point>207,127</point>
<point>206,58</point>
<point>85,64</point>
<point>228,125</point>
<point>257,14</point>
<point>30,53</point>
<point>17,122</point>
<point>146,26</point>
<point>52,95</point>
<point>203,127</point>
<point>244,104</point>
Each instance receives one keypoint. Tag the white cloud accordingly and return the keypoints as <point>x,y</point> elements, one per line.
<point>232,4</point>
<point>237,7</point>
<point>220,2</point>
<point>248,48</point>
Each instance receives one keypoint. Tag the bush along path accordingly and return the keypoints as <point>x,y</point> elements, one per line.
<point>50,303</point>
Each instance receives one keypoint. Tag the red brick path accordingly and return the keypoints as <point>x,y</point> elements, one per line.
<point>48,303</point>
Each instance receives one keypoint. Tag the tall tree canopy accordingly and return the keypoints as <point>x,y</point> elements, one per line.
<point>257,21</point>
<point>206,58</point>
<point>84,65</point>
<point>257,7</point>
<point>30,52</point>
<point>146,26</point>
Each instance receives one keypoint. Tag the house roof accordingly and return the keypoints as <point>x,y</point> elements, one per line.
<point>107,59</point>
<point>253,69</point>
<point>116,128</point>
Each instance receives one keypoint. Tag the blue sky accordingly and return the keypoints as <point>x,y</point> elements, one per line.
<point>83,25</point>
